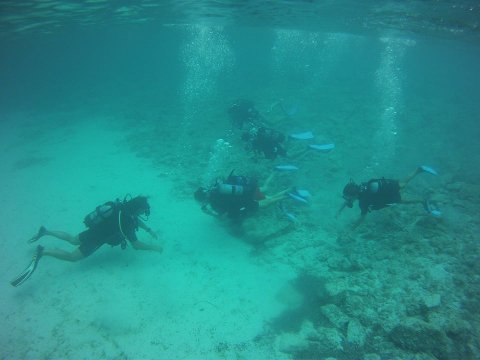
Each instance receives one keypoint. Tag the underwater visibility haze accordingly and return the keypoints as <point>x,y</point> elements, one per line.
<point>100,99</point>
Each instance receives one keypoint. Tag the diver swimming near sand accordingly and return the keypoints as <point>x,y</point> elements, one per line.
<point>114,223</point>
<point>377,194</point>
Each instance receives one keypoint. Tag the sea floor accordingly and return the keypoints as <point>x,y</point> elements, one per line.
<point>405,285</point>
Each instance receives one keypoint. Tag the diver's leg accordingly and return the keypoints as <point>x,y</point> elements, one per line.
<point>63,236</point>
<point>409,178</point>
<point>138,245</point>
<point>64,255</point>
<point>274,198</point>
<point>265,186</point>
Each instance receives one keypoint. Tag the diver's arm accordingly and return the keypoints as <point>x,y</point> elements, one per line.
<point>144,226</point>
<point>265,186</point>
<point>340,210</point>
<point>207,209</point>
<point>359,221</point>
<point>138,245</point>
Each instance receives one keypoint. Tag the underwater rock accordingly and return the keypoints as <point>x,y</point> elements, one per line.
<point>356,307</point>
<point>260,228</point>
<point>335,316</point>
<point>336,287</point>
<point>356,333</point>
<point>292,343</point>
<point>432,301</point>
<point>463,336</point>
<point>330,341</point>
<point>339,263</point>
<point>418,336</point>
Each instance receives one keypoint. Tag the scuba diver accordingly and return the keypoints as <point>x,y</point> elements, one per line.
<point>262,140</point>
<point>112,223</point>
<point>258,137</point>
<point>243,112</point>
<point>236,197</point>
<point>377,194</point>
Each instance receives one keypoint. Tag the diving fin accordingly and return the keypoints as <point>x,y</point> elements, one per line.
<point>306,135</point>
<point>432,208</point>
<point>41,232</point>
<point>428,169</point>
<point>20,279</point>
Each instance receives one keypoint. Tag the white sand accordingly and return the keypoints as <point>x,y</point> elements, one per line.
<point>206,296</point>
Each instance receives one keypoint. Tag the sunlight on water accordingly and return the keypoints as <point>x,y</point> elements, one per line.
<point>445,18</point>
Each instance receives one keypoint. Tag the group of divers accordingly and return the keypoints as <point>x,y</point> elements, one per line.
<point>233,198</point>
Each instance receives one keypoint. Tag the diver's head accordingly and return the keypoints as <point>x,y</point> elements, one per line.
<point>201,195</point>
<point>138,206</point>
<point>351,191</point>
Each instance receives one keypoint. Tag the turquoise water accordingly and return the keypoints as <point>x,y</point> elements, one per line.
<point>99,99</point>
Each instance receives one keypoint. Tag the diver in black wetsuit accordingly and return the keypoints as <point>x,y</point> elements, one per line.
<point>243,113</point>
<point>113,223</point>
<point>258,137</point>
<point>121,226</point>
<point>235,197</point>
<point>377,194</point>
<point>262,140</point>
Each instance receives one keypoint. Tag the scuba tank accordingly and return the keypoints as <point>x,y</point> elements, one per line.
<point>101,213</point>
<point>229,189</point>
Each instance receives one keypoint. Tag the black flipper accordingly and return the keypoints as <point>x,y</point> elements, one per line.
<point>20,279</point>
<point>41,232</point>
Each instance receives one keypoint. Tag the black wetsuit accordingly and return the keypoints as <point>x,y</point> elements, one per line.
<point>387,193</point>
<point>236,206</point>
<point>269,142</point>
<point>243,112</point>
<point>109,232</point>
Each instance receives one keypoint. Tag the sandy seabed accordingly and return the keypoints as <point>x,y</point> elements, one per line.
<point>210,295</point>
<point>203,297</point>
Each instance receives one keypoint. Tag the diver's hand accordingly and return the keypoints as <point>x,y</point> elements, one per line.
<point>340,210</point>
<point>152,233</point>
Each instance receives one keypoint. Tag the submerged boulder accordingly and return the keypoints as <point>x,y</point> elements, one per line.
<point>356,333</point>
<point>418,336</point>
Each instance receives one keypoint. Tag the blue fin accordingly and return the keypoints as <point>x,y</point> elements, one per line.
<point>428,169</point>
<point>286,167</point>
<point>290,216</point>
<point>322,147</point>
<point>432,208</point>
<point>303,193</point>
<point>307,135</point>
<point>298,198</point>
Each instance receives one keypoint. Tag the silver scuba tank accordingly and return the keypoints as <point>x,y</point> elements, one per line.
<point>228,189</point>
